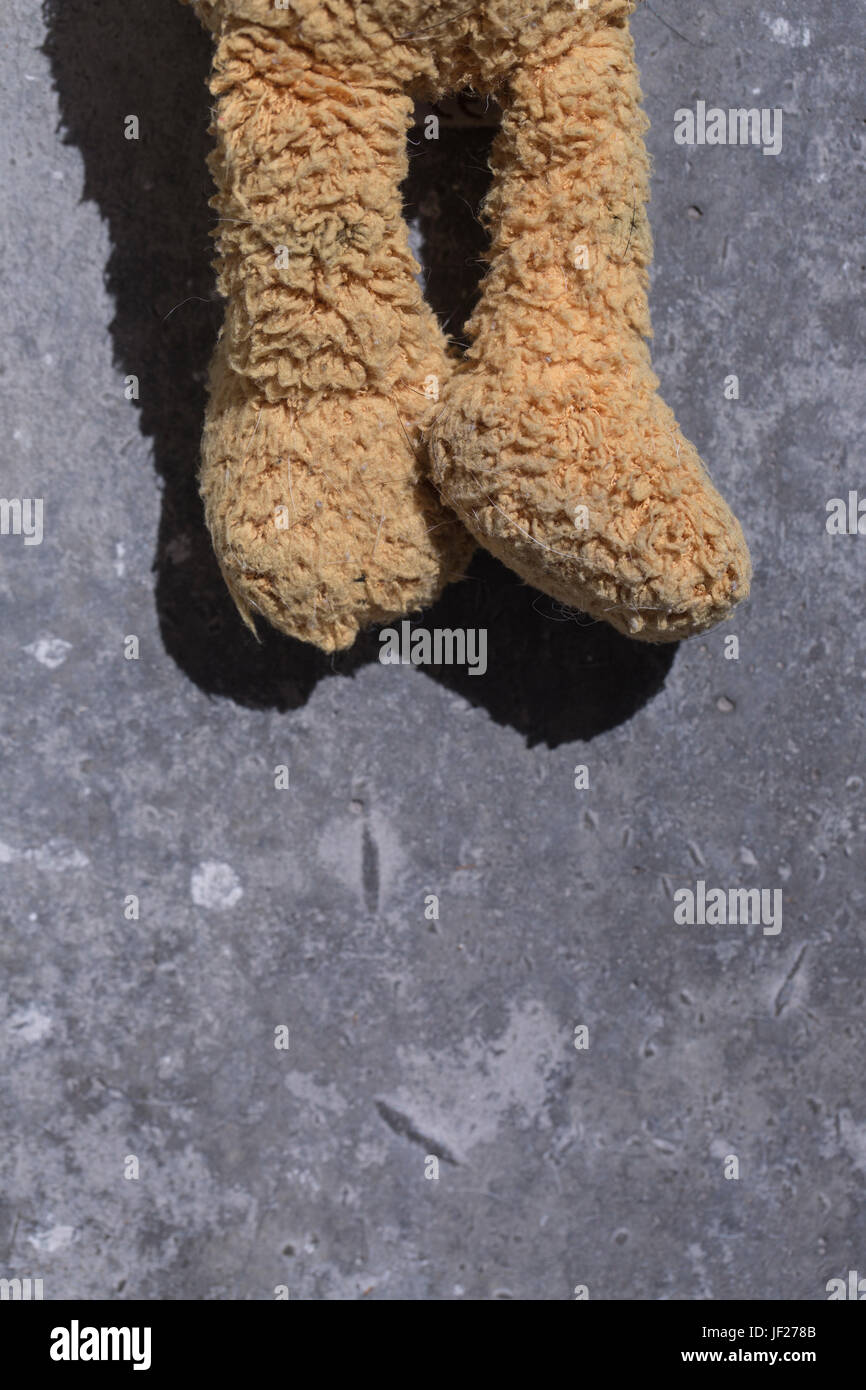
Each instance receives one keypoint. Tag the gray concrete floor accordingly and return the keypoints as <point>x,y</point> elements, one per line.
<point>154,1038</point>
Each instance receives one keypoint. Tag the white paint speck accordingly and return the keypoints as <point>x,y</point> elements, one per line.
<point>54,857</point>
<point>57,1238</point>
<point>783,31</point>
<point>844,1134</point>
<point>30,1024</point>
<point>215,885</point>
<point>49,651</point>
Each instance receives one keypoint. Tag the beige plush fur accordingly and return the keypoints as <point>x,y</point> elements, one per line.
<point>549,440</point>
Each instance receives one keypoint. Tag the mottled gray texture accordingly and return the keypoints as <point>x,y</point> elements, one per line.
<point>155,1037</point>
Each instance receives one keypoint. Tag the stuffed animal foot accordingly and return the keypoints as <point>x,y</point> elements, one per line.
<point>321,519</point>
<point>330,362</point>
<point>552,443</point>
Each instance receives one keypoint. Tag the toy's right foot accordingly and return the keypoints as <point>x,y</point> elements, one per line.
<point>323,522</point>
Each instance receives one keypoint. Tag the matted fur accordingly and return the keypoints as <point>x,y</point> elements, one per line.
<point>549,441</point>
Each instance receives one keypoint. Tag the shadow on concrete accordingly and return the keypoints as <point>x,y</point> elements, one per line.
<point>552,676</point>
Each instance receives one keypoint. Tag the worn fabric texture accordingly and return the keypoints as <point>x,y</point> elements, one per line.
<point>332,392</point>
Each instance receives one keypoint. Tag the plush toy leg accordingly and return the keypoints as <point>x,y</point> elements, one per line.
<point>553,444</point>
<point>329,364</point>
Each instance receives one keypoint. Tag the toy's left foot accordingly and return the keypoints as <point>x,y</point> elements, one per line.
<point>552,444</point>
<point>592,496</point>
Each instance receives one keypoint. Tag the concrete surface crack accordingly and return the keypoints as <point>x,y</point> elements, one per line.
<point>402,1125</point>
<point>784,995</point>
<point>370,870</point>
